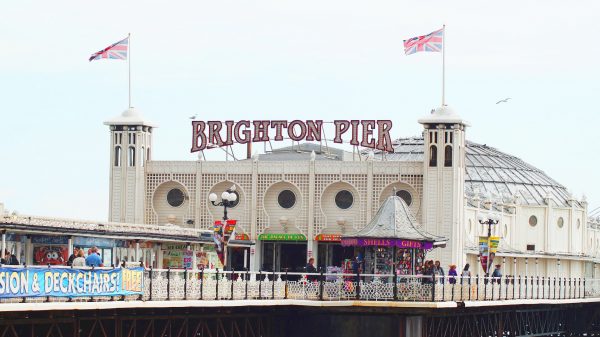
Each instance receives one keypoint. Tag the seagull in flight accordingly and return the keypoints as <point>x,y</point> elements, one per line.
<point>503,100</point>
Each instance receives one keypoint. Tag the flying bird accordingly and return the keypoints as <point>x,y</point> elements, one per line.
<point>503,100</point>
<point>193,117</point>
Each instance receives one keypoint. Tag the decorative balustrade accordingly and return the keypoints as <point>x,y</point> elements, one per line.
<point>181,284</point>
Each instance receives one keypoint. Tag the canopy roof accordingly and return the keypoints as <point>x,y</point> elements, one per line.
<point>395,221</point>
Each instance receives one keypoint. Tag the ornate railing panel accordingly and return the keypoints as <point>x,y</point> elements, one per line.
<point>180,284</point>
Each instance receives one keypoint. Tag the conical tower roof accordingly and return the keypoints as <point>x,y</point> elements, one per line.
<point>395,221</point>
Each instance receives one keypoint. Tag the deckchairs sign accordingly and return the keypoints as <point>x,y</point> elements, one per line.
<point>68,282</point>
<point>365,133</point>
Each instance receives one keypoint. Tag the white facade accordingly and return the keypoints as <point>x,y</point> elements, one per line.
<point>443,196</point>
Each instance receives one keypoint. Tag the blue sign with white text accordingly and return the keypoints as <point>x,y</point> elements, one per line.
<point>70,282</point>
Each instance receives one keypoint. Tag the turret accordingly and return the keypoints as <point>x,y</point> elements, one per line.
<point>130,149</point>
<point>444,181</point>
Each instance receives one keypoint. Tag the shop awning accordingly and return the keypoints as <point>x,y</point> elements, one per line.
<point>393,225</point>
<point>281,237</point>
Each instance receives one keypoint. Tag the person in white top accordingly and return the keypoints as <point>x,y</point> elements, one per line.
<point>466,274</point>
<point>79,261</point>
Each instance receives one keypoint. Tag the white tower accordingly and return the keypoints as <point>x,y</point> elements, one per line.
<point>130,149</point>
<point>444,181</point>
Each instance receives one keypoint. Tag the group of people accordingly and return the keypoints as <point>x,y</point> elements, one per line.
<point>431,268</point>
<point>78,258</point>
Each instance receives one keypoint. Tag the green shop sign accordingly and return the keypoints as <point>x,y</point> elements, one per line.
<point>282,237</point>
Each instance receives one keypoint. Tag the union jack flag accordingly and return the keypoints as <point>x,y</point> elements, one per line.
<point>432,42</point>
<point>114,51</point>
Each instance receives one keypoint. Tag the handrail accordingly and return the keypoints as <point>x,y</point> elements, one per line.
<point>192,284</point>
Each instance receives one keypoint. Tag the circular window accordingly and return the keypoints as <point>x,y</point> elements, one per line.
<point>532,221</point>
<point>286,199</point>
<point>344,199</point>
<point>175,197</point>
<point>560,222</point>
<point>405,196</point>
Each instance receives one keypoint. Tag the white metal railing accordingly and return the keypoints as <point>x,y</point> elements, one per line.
<point>171,284</point>
<point>181,284</point>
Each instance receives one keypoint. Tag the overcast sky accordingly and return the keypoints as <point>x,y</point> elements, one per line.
<point>254,59</point>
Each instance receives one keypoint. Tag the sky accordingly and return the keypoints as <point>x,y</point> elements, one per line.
<point>279,59</point>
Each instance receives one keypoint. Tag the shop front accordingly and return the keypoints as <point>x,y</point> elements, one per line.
<point>136,251</point>
<point>393,241</point>
<point>238,254</point>
<point>332,257</point>
<point>281,252</point>
<point>384,255</point>
<point>105,247</point>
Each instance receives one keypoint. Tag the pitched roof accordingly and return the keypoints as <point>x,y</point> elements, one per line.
<point>395,220</point>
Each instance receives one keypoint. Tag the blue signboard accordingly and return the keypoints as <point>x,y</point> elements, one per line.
<point>91,242</point>
<point>67,282</point>
<point>50,240</point>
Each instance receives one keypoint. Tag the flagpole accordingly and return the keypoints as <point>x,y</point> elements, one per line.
<point>443,65</point>
<point>129,64</point>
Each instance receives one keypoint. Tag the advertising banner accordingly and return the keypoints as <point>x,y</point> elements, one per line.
<point>50,254</point>
<point>177,256</point>
<point>484,250</point>
<point>67,282</point>
<point>487,251</point>
<point>493,247</point>
<point>494,243</point>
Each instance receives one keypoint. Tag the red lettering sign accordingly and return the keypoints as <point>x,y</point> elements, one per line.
<point>367,133</point>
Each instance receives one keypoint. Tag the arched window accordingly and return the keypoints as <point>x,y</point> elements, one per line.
<point>142,155</point>
<point>148,156</point>
<point>131,157</point>
<point>433,156</point>
<point>448,156</point>
<point>117,156</point>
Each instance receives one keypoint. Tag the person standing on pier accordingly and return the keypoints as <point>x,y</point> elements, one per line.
<point>438,271</point>
<point>310,268</point>
<point>452,274</point>
<point>93,259</point>
<point>497,274</point>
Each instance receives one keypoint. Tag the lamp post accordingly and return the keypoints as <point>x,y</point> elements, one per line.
<point>489,219</point>
<point>228,199</point>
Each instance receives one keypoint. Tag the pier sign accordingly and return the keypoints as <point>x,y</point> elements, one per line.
<point>365,133</point>
<point>68,282</point>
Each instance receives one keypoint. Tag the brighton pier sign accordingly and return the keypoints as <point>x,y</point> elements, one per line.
<point>373,134</point>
